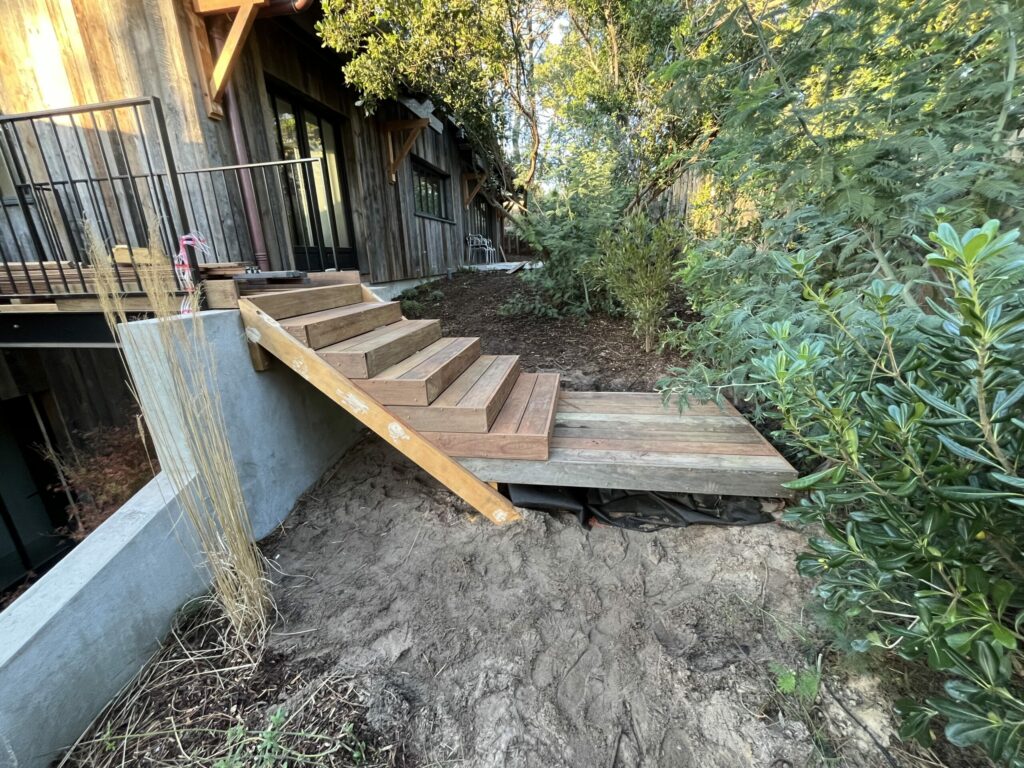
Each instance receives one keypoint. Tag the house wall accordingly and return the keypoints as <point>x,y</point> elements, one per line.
<point>60,53</point>
<point>392,242</point>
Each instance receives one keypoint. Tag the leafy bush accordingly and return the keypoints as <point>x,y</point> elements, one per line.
<point>915,415</point>
<point>564,229</point>
<point>635,262</point>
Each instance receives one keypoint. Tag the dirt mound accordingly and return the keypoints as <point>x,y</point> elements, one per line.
<point>542,643</point>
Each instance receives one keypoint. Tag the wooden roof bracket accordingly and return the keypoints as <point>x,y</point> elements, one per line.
<point>393,127</point>
<point>467,193</point>
<point>233,45</point>
<point>216,72</point>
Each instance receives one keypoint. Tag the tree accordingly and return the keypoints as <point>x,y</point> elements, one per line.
<point>474,57</point>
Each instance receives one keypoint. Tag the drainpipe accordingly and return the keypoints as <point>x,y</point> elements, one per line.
<point>218,32</point>
<point>284,7</point>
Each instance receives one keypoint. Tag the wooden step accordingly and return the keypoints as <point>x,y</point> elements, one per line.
<point>420,378</point>
<point>329,326</point>
<point>472,401</point>
<point>522,429</point>
<point>368,354</point>
<point>303,301</point>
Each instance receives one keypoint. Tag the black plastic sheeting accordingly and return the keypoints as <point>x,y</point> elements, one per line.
<point>640,510</point>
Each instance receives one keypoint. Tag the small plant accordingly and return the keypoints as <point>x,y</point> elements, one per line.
<point>801,684</point>
<point>635,263</point>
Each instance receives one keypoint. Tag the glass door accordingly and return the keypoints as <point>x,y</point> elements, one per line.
<point>317,195</point>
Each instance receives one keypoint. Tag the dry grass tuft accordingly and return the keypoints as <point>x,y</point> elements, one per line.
<point>198,702</point>
<point>199,463</point>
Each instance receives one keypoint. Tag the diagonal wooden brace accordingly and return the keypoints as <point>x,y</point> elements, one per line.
<point>229,55</point>
<point>262,329</point>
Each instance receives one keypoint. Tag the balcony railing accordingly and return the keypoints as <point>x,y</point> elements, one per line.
<point>110,168</point>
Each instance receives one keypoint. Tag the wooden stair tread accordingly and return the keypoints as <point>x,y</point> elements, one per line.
<point>366,355</point>
<point>522,429</point>
<point>421,377</point>
<point>284,304</point>
<point>329,326</point>
<point>471,403</point>
<point>646,450</point>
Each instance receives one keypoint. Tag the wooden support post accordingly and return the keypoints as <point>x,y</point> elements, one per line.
<point>467,193</point>
<point>262,329</point>
<point>204,56</point>
<point>414,129</point>
<point>214,7</point>
<point>261,361</point>
<point>225,65</point>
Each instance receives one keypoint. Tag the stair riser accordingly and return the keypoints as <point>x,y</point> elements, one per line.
<point>422,392</point>
<point>363,365</point>
<point>331,331</point>
<point>460,418</point>
<point>470,446</point>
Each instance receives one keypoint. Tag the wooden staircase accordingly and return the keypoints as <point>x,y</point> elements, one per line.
<point>441,402</point>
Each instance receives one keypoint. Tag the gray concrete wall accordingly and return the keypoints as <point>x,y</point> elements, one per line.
<point>283,432</point>
<point>73,640</point>
<point>81,632</point>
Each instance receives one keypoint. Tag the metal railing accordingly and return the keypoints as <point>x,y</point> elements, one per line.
<point>106,167</point>
<point>109,168</point>
<point>295,206</point>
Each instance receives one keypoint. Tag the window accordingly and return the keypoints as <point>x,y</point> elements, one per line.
<point>317,193</point>
<point>430,191</point>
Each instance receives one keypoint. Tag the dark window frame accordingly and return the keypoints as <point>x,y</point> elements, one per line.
<point>304,104</point>
<point>422,206</point>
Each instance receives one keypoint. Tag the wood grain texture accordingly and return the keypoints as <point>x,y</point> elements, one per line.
<point>521,430</point>
<point>365,356</point>
<point>220,294</point>
<point>610,440</point>
<point>329,326</point>
<point>266,331</point>
<point>421,377</point>
<point>473,400</point>
<point>287,304</point>
<point>348,276</point>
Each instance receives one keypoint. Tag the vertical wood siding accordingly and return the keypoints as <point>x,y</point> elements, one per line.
<point>58,53</point>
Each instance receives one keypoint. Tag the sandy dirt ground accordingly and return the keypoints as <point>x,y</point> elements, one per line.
<point>543,643</point>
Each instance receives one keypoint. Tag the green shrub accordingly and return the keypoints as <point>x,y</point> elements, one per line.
<point>914,415</point>
<point>635,263</point>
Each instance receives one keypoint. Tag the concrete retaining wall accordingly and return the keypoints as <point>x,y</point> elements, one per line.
<point>80,633</point>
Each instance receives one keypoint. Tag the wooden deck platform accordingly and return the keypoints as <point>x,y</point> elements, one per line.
<point>471,419</point>
<point>631,440</point>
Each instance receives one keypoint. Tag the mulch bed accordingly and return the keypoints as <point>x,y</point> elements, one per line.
<point>201,703</point>
<point>599,353</point>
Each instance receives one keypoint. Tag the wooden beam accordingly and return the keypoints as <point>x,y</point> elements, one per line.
<point>467,193</point>
<point>392,127</point>
<point>262,329</point>
<point>213,7</point>
<point>204,58</point>
<point>225,65</point>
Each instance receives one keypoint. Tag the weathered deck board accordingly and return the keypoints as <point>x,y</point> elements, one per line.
<point>522,429</point>
<point>612,440</point>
